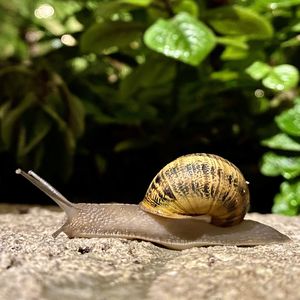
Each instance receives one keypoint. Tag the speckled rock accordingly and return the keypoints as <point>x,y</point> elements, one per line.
<point>33,265</point>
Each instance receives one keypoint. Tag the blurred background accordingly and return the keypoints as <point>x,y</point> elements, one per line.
<point>97,96</point>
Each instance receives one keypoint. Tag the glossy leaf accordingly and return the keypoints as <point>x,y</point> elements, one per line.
<point>276,4</point>
<point>224,75</point>
<point>281,78</point>
<point>105,35</point>
<point>282,141</point>
<point>258,70</point>
<point>289,121</point>
<point>274,165</point>
<point>233,41</point>
<point>137,2</point>
<point>293,42</point>
<point>183,37</point>
<point>189,6</point>
<point>288,200</point>
<point>240,21</point>
<point>106,9</point>
<point>296,27</point>
<point>234,53</point>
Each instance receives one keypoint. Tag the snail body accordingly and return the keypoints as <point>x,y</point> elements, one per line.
<point>174,210</point>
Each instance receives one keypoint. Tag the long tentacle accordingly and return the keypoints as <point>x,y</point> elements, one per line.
<point>69,207</point>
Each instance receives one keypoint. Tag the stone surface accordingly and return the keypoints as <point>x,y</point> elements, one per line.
<point>33,265</point>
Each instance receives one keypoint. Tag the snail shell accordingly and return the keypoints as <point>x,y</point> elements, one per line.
<point>199,184</point>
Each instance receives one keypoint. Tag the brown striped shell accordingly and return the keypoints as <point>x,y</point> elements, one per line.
<point>199,184</point>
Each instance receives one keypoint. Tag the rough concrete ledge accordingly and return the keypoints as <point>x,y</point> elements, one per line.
<point>33,265</point>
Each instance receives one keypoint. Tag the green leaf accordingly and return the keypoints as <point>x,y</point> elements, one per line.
<point>60,122</point>
<point>141,3</point>
<point>65,157</point>
<point>289,121</point>
<point>11,116</point>
<point>98,115</point>
<point>234,53</point>
<point>101,163</point>
<point>293,42</point>
<point>240,21</point>
<point>39,154</point>
<point>189,6</point>
<point>296,27</point>
<point>282,78</point>
<point>105,35</point>
<point>153,73</point>
<point>287,202</point>
<point>41,127</point>
<point>106,9</point>
<point>258,70</point>
<point>237,42</point>
<point>225,75</point>
<point>281,141</point>
<point>259,105</point>
<point>131,144</point>
<point>21,140</point>
<point>182,37</point>
<point>76,115</point>
<point>275,4</point>
<point>275,165</point>
<point>134,113</point>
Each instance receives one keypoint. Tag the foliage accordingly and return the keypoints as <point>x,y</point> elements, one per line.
<point>104,81</point>
<point>286,163</point>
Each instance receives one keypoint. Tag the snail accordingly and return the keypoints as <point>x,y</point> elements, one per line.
<point>196,200</point>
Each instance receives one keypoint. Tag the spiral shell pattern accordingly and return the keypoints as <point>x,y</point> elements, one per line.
<point>199,184</point>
